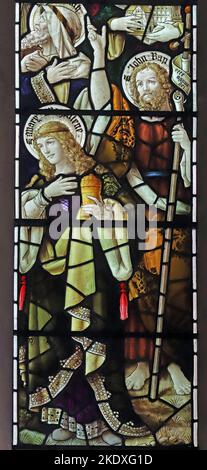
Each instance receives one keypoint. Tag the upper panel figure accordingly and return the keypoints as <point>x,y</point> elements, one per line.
<point>144,22</point>
<point>136,33</point>
<point>56,54</point>
<point>53,67</point>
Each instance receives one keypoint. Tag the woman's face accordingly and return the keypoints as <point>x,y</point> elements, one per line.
<point>52,149</point>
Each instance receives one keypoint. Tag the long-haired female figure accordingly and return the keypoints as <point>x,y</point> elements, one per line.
<point>75,370</point>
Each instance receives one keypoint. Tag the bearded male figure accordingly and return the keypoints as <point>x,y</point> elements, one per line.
<point>54,69</point>
<point>150,87</point>
<point>150,177</point>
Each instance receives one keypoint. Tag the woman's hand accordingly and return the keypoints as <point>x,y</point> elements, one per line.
<point>180,136</point>
<point>99,210</point>
<point>128,24</point>
<point>33,62</point>
<point>62,186</point>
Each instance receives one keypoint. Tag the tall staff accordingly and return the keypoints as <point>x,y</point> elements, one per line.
<point>178,98</point>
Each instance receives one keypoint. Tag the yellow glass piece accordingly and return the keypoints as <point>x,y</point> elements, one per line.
<point>37,345</point>
<point>38,317</point>
<point>72,297</point>
<point>83,278</point>
<point>55,267</point>
<point>79,325</point>
<point>80,253</point>
<point>93,362</point>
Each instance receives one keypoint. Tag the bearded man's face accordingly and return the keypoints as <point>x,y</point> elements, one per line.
<point>151,94</point>
<point>41,31</point>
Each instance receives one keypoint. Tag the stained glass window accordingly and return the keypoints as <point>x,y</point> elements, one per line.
<point>105,290</point>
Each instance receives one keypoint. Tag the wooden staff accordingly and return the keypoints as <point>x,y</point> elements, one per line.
<point>178,99</point>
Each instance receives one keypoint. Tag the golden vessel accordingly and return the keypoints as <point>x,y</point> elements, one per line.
<point>90,186</point>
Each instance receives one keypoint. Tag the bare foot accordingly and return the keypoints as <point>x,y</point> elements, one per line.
<point>181,384</point>
<point>137,379</point>
<point>62,434</point>
<point>111,439</point>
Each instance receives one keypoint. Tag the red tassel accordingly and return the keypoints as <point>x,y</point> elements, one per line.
<point>123,301</point>
<point>22,293</point>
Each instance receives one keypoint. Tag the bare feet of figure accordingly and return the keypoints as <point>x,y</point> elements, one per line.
<point>137,379</point>
<point>62,434</point>
<point>111,439</point>
<point>181,384</point>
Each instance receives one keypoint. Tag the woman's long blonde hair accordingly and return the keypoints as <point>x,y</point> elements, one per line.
<point>73,151</point>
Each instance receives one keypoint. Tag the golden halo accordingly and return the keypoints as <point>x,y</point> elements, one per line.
<point>150,57</point>
<point>75,7</point>
<point>74,124</point>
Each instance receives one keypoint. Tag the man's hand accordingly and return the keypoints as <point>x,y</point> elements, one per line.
<point>181,207</point>
<point>62,186</point>
<point>163,33</point>
<point>33,62</point>
<point>98,41</point>
<point>57,73</point>
<point>128,24</point>
<point>79,67</point>
<point>180,135</point>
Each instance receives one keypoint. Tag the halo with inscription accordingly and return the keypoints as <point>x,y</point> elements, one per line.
<point>152,57</point>
<point>74,124</point>
<point>77,7</point>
